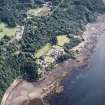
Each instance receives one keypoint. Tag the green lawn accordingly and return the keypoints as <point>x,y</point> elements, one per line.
<point>43,51</point>
<point>62,39</point>
<point>5,30</point>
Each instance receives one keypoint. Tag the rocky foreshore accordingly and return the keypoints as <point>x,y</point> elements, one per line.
<point>30,93</point>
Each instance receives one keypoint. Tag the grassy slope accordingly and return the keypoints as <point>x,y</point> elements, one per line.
<point>43,50</point>
<point>5,30</point>
<point>61,40</point>
<point>43,11</point>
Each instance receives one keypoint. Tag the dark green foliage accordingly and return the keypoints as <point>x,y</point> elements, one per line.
<point>13,11</point>
<point>69,18</point>
<point>7,11</point>
<point>68,55</point>
<point>73,43</point>
<point>14,65</point>
<point>53,40</point>
<point>29,70</point>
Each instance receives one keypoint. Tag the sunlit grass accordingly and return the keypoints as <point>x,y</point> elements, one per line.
<point>43,11</point>
<point>62,39</point>
<point>5,30</point>
<point>43,51</point>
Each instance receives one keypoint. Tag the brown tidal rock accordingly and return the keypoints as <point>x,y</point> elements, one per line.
<point>35,101</point>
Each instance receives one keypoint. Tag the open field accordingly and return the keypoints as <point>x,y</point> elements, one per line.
<point>43,51</point>
<point>43,11</point>
<point>62,39</point>
<point>5,30</point>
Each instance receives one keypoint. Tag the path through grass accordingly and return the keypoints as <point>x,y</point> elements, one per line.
<point>44,50</point>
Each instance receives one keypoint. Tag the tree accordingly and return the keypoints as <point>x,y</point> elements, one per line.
<point>53,40</point>
<point>29,70</point>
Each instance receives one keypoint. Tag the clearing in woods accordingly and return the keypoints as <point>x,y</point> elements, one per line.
<point>5,30</point>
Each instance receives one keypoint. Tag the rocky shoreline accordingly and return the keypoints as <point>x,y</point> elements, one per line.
<point>23,92</point>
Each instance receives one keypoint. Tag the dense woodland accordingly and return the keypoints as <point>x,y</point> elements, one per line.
<point>69,19</point>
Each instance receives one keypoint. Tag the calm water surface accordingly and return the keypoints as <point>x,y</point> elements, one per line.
<point>87,87</point>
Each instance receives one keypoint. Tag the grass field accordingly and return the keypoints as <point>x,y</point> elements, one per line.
<point>43,11</point>
<point>62,39</point>
<point>5,30</point>
<point>43,51</point>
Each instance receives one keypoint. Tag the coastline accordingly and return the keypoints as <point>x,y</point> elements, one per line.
<point>51,83</point>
